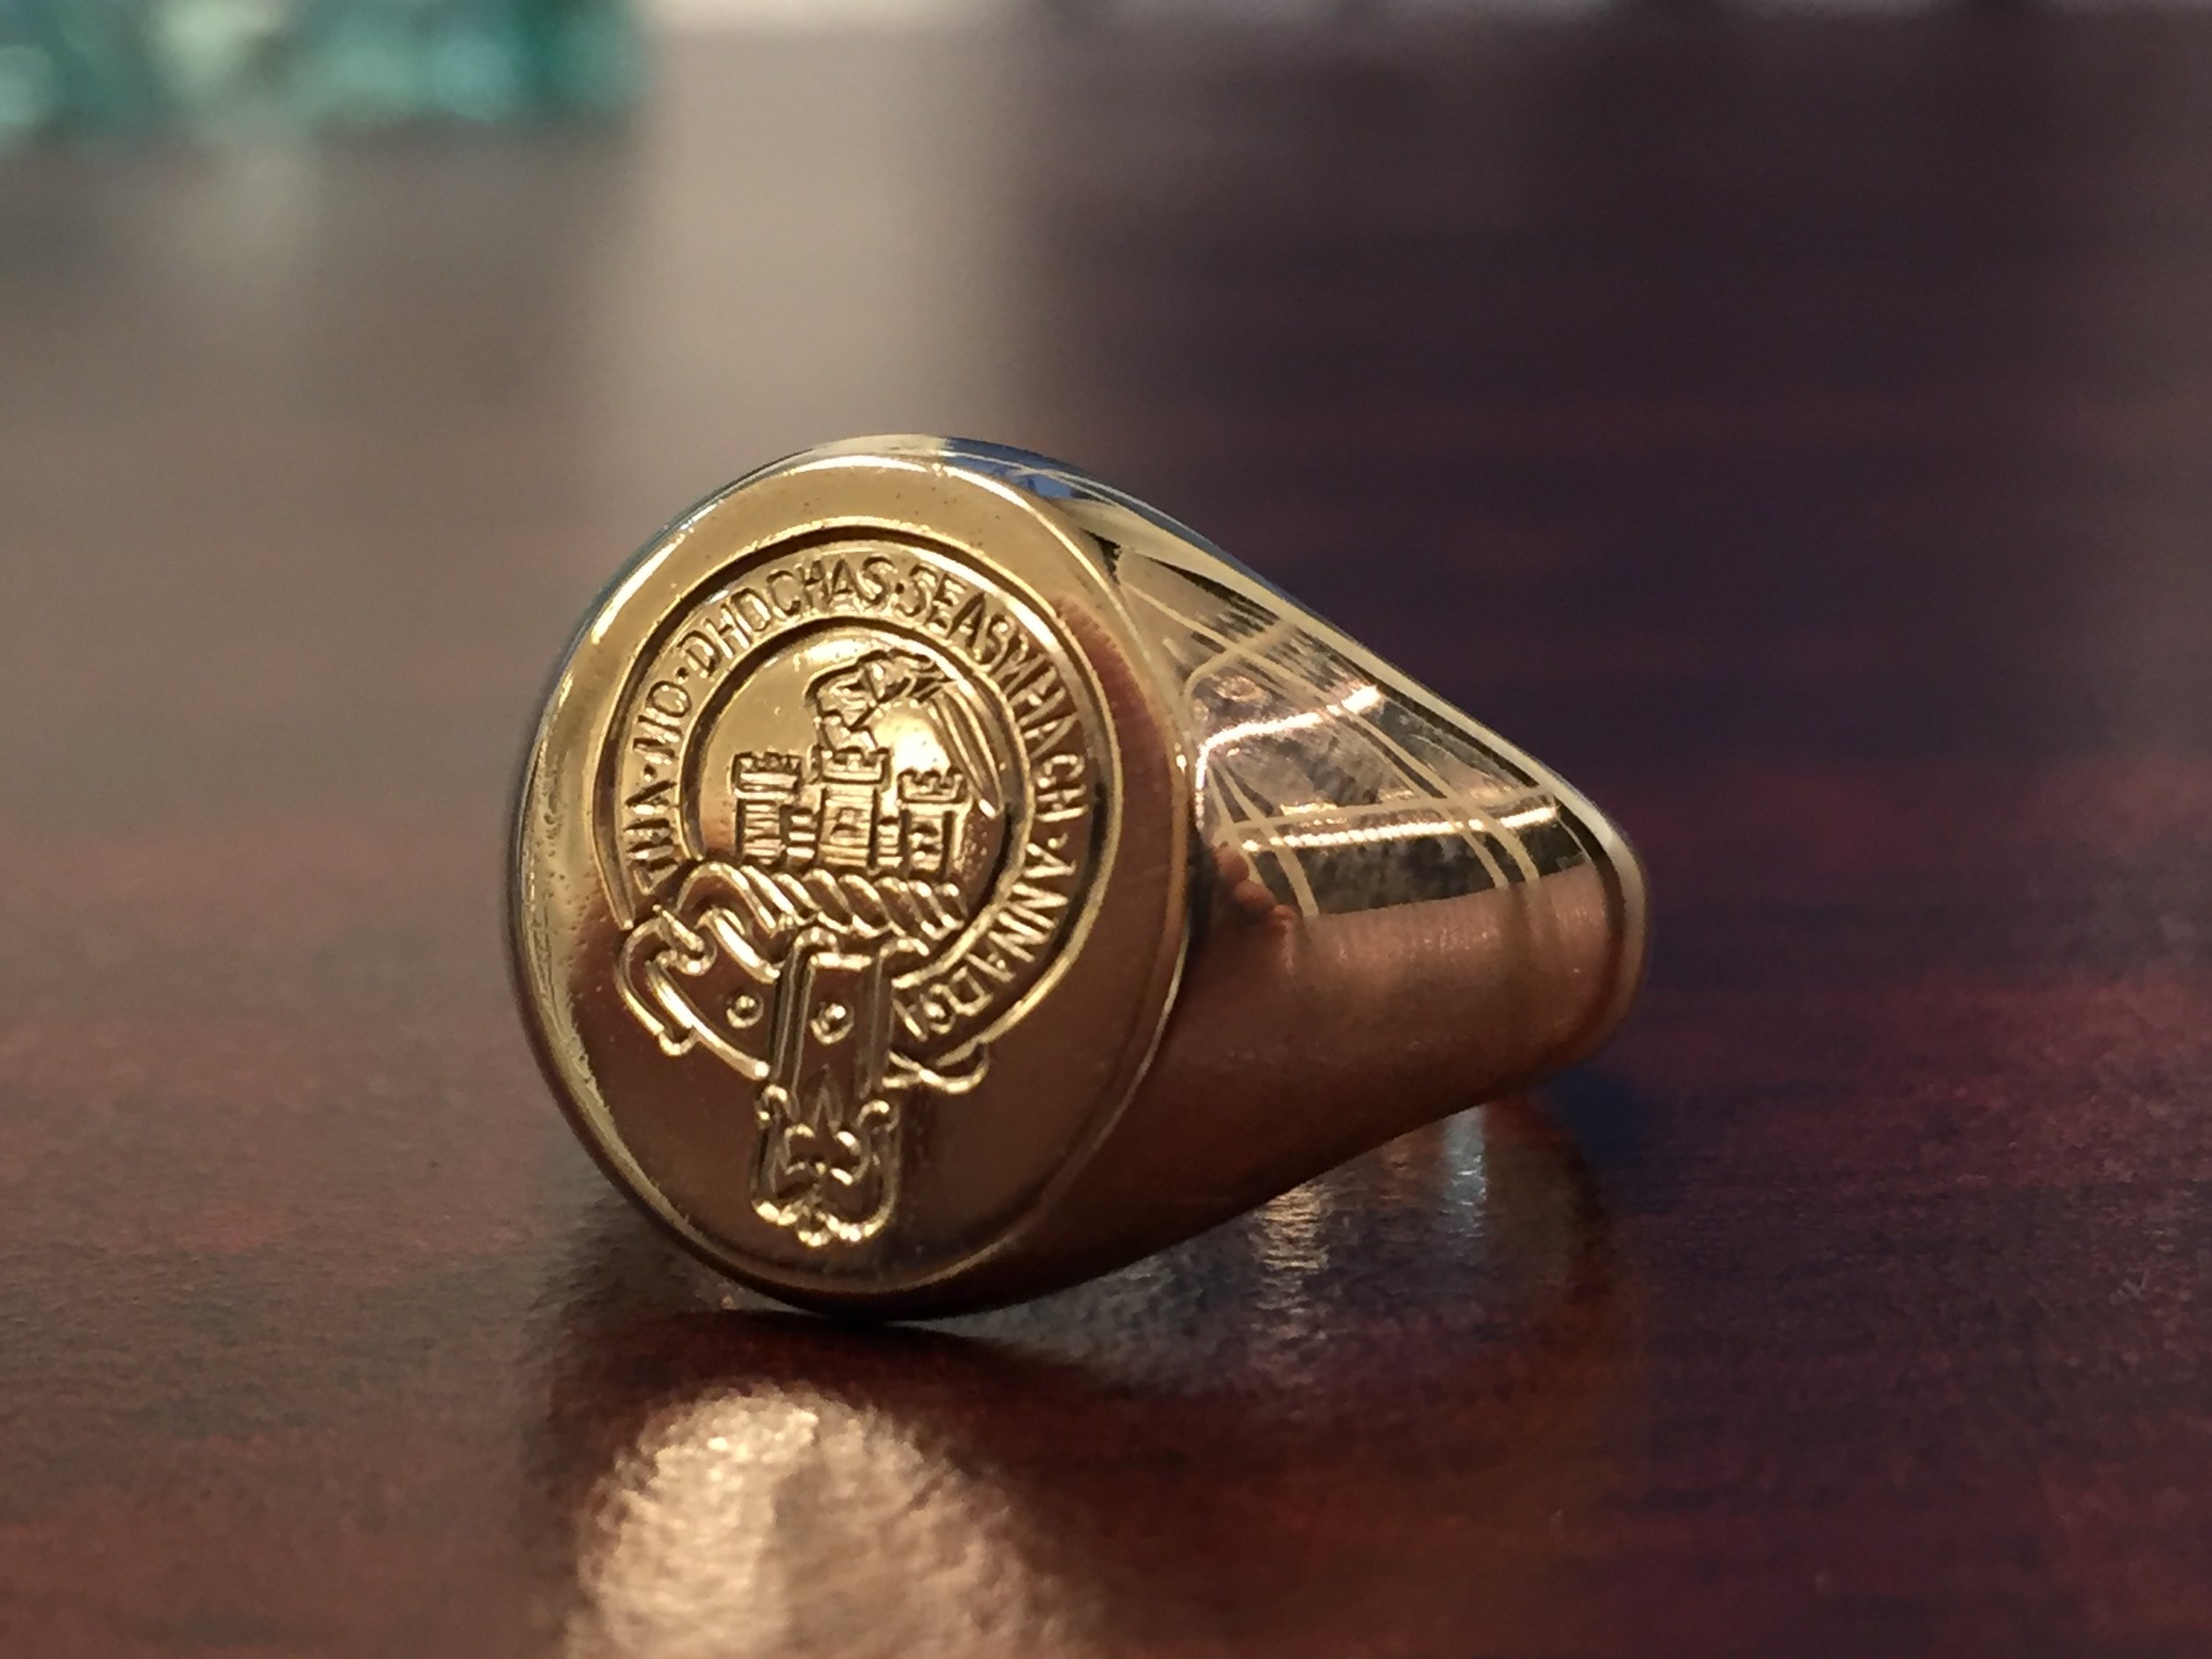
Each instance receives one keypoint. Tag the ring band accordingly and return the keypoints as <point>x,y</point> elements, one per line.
<point>940,877</point>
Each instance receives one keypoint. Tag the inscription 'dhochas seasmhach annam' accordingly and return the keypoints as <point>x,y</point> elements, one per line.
<point>917,592</point>
<point>902,837</point>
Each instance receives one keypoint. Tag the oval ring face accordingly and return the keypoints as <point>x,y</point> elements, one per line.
<point>813,852</point>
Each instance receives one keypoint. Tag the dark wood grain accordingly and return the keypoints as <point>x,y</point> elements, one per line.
<point>1800,433</point>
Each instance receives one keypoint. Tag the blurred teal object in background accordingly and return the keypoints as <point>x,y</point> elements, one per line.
<point>146,67</point>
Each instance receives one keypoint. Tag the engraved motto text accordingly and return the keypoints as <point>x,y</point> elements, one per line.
<point>853,813</point>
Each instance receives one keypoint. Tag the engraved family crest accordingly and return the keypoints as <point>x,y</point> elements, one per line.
<point>857,861</point>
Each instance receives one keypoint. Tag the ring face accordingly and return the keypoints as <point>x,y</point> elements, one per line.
<point>814,844</point>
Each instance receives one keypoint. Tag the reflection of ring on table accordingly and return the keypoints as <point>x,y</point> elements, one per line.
<point>940,877</point>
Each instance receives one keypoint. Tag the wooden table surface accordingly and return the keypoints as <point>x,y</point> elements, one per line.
<point>1800,433</point>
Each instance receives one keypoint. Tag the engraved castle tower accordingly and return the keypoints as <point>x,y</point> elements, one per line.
<point>845,810</point>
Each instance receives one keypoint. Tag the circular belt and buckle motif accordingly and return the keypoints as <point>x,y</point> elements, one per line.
<point>852,806</point>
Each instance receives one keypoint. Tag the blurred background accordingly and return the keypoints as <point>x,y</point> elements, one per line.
<point>1729,345</point>
<point>232,65</point>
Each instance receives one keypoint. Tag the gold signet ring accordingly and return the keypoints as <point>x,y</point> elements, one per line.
<point>940,877</point>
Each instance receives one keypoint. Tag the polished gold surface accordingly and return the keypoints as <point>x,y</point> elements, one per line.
<point>939,877</point>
